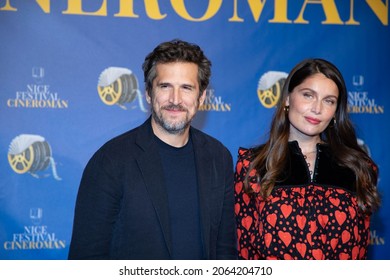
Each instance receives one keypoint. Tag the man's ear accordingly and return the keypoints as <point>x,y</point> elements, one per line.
<point>147,96</point>
<point>202,98</point>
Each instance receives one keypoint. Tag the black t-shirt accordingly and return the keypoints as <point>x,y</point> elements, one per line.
<point>181,183</point>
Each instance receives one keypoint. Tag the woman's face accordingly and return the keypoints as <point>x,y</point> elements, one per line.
<point>312,105</point>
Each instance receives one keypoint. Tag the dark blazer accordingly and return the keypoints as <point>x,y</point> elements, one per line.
<point>122,206</point>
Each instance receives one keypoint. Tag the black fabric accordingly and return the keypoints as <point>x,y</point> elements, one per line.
<point>182,189</point>
<point>326,171</point>
<point>122,210</point>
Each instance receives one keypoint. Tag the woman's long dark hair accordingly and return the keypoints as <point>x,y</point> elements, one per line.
<point>340,135</point>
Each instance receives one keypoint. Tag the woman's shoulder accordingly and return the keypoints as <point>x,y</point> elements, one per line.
<point>249,153</point>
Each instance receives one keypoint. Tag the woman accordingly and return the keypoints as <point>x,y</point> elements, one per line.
<point>309,191</point>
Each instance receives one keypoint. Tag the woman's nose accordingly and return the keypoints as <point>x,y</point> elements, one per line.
<point>316,107</point>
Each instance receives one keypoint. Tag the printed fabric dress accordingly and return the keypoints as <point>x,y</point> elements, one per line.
<point>303,218</point>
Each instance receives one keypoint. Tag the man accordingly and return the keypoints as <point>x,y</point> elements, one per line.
<point>163,190</point>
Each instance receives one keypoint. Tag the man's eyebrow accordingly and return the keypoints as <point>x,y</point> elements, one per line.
<point>188,85</point>
<point>163,83</point>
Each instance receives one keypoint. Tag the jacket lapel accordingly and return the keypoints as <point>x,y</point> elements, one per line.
<point>150,165</point>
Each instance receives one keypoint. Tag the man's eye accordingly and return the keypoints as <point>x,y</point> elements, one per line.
<point>164,87</point>
<point>188,88</point>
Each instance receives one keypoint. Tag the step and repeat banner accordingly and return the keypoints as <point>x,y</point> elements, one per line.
<point>71,79</point>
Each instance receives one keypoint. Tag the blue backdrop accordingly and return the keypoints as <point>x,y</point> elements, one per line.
<point>71,79</point>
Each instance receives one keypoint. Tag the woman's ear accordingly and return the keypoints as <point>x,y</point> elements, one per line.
<point>287,103</point>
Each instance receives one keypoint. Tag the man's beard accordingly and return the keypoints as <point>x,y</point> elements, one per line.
<point>171,127</point>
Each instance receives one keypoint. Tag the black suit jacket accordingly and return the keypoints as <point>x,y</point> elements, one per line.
<point>122,206</point>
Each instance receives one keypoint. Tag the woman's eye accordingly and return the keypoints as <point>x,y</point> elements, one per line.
<point>330,101</point>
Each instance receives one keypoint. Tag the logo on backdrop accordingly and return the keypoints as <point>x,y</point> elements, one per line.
<point>214,103</point>
<point>270,87</point>
<point>37,94</point>
<point>35,235</point>
<point>31,153</point>
<point>119,86</point>
<point>376,239</point>
<point>359,101</point>
<point>127,9</point>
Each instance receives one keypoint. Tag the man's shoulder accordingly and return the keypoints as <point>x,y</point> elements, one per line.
<point>122,139</point>
<point>206,139</point>
<point>124,144</point>
<point>130,136</point>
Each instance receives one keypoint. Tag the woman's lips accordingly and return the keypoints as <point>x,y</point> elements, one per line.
<point>312,120</point>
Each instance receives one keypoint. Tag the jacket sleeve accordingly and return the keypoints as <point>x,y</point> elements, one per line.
<point>96,210</point>
<point>246,212</point>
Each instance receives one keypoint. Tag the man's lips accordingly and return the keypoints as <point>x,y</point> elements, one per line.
<point>174,109</point>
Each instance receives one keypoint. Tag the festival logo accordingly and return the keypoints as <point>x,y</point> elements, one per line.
<point>376,239</point>
<point>31,154</point>
<point>35,236</point>
<point>269,88</point>
<point>214,103</point>
<point>359,101</point>
<point>38,73</point>
<point>37,94</point>
<point>119,86</point>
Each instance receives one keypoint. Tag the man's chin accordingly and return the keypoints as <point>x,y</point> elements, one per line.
<point>173,128</point>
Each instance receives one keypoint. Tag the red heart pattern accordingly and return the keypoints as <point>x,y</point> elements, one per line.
<point>340,217</point>
<point>352,212</point>
<point>333,243</point>
<point>345,236</point>
<point>271,219</point>
<point>318,254</point>
<point>334,201</point>
<point>355,252</point>
<point>301,247</point>
<point>285,237</point>
<point>246,198</point>
<point>267,239</point>
<point>237,208</point>
<point>298,222</point>
<point>286,210</point>
<point>247,222</point>
<point>323,220</point>
<point>238,187</point>
<point>301,221</point>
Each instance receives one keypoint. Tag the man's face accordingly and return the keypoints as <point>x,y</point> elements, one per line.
<point>175,97</point>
